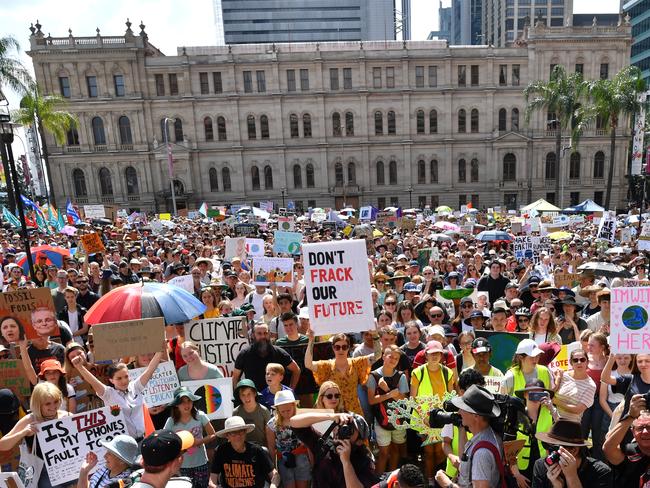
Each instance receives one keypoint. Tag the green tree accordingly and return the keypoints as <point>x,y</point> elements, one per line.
<point>561,96</point>
<point>48,115</point>
<point>12,72</point>
<point>612,100</point>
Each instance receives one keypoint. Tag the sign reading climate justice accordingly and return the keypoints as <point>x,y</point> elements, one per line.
<point>630,329</point>
<point>338,286</point>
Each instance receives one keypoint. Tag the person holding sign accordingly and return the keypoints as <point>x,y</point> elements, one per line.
<point>119,461</point>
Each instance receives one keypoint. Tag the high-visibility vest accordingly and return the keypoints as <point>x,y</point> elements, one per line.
<point>450,469</point>
<point>425,388</point>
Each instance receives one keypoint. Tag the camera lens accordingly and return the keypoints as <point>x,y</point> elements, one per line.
<point>552,458</point>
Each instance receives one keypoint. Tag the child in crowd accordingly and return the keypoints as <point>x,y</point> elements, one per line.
<point>248,407</point>
<point>274,378</point>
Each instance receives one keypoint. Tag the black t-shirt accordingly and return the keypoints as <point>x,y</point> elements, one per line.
<point>630,385</point>
<point>53,351</point>
<point>495,288</point>
<point>87,300</point>
<point>592,473</point>
<point>403,364</point>
<point>254,366</point>
<point>568,336</point>
<point>411,353</point>
<point>249,468</point>
<point>630,471</point>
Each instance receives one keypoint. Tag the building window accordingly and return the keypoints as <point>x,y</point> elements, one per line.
<point>72,137</point>
<point>574,166</point>
<point>347,78</point>
<point>105,182</point>
<point>225,179</point>
<point>462,200</point>
<point>419,116</point>
<point>462,120</point>
<point>509,167</point>
<point>334,78</point>
<point>419,76</point>
<point>474,75</point>
<point>379,123</point>
<point>118,83</point>
<point>433,171</point>
<point>574,197</point>
<point>474,120</point>
<point>173,84</point>
<point>248,82</point>
<point>473,170</point>
<point>99,136</point>
<point>352,174</point>
<point>178,130</point>
<point>462,171</point>
<point>462,75</point>
<point>380,173</point>
<point>394,201</point>
<point>306,125</point>
<point>514,119</point>
<point>255,178</point>
<point>390,77</point>
<point>422,176</point>
<point>580,68</point>
<point>338,174</point>
<point>376,77</point>
<point>515,75</point>
<point>549,173</point>
<point>435,202</point>
<point>336,124</point>
<point>64,86</point>
<point>310,175</point>
<point>216,81</point>
<point>207,129</point>
<point>550,197</point>
<point>79,181</point>
<point>297,176</point>
<point>599,165</point>
<point>204,83</point>
<point>304,80</point>
<point>264,127</point>
<point>475,200</point>
<point>160,85</point>
<point>598,197</point>
<point>349,124</point>
<point>551,121</point>
<point>433,122</point>
<point>381,203</point>
<point>91,83</point>
<point>214,180</point>
<point>422,202</point>
<point>221,128</point>
<point>252,130</point>
<point>503,114</point>
<point>293,125</point>
<point>261,81</point>
<point>551,69</point>
<point>124,125</point>
<point>433,76</point>
<point>604,71</point>
<point>503,74</point>
<point>391,123</point>
<point>291,80</point>
<point>392,173</point>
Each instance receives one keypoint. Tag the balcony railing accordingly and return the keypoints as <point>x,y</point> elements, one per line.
<point>100,148</point>
<point>73,149</point>
<point>125,147</point>
<point>81,200</point>
<point>108,199</point>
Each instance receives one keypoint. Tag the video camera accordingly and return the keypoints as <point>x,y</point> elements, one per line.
<point>328,444</point>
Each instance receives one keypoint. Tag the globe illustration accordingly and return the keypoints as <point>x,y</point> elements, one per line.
<point>635,317</point>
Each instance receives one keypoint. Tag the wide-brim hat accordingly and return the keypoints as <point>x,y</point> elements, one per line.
<point>233,424</point>
<point>545,285</point>
<point>400,276</point>
<point>380,276</point>
<point>569,301</point>
<point>584,292</point>
<point>284,397</point>
<point>125,448</point>
<point>479,401</point>
<point>566,290</point>
<point>535,387</point>
<point>183,392</point>
<point>50,365</point>
<point>564,432</point>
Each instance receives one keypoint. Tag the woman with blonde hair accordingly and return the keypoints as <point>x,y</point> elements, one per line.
<point>196,368</point>
<point>329,397</point>
<point>542,327</point>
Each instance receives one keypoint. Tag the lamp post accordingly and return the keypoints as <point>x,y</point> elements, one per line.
<point>170,163</point>
<point>7,154</point>
<point>410,190</point>
<point>283,191</point>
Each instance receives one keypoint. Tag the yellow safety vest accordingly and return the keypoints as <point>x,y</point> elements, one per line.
<point>450,469</point>
<point>425,389</point>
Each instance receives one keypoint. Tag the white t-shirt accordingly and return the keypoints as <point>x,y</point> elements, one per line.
<point>255,299</point>
<point>130,402</point>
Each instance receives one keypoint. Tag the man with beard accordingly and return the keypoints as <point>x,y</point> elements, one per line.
<point>252,360</point>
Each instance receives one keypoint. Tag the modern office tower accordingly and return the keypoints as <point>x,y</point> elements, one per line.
<point>639,12</point>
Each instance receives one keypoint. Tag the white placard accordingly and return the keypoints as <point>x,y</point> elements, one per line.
<point>216,396</point>
<point>94,211</point>
<point>186,282</point>
<point>254,247</point>
<point>162,385</point>
<point>235,247</point>
<point>219,340</point>
<point>272,270</point>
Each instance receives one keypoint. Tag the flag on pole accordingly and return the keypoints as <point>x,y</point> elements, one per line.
<point>11,218</point>
<point>61,220</point>
<point>73,215</point>
<point>53,218</point>
<point>203,209</point>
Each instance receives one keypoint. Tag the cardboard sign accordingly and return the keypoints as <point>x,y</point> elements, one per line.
<point>235,247</point>
<point>12,376</point>
<point>216,396</point>
<point>626,234</point>
<point>529,247</point>
<point>29,313</point>
<point>565,279</point>
<point>286,224</point>
<point>186,282</point>
<point>338,286</point>
<point>286,242</point>
<point>272,270</point>
<point>319,216</point>
<point>493,383</point>
<point>66,441</point>
<point>643,242</point>
<point>607,228</point>
<point>407,224</point>
<point>504,345</point>
<point>92,243</point>
<point>160,388</point>
<point>219,340</point>
<point>387,219</point>
<point>245,230</point>
<point>629,325</point>
<point>94,211</point>
<point>128,338</point>
<point>254,247</point>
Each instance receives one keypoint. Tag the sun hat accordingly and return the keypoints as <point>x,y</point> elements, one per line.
<point>50,365</point>
<point>284,397</point>
<point>433,347</point>
<point>566,290</point>
<point>545,285</point>
<point>584,292</point>
<point>569,301</point>
<point>412,288</point>
<point>162,446</point>
<point>124,447</point>
<point>233,424</point>
<point>399,275</point>
<point>479,401</point>
<point>183,392</point>
<point>523,312</point>
<point>536,386</point>
<point>529,348</point>
<point>563,432</point>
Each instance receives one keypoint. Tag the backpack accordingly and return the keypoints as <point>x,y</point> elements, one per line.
<point>507,480</point>
<point>379,411</point>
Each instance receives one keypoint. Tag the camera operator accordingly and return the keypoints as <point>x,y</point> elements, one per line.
<point>566,464</point>
<point>340,460</point>
<point>480,466</point>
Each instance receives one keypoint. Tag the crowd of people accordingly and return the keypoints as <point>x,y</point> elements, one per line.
<point>325,419</point>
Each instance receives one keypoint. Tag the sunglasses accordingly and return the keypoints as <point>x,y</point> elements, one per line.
<point>467,305</point>
<point>380,282</point>
<point>435,315</point>
<point>390,303</point>
<point>523,319</point>
<point>579,360</point>
<point>332,396</point>
<point>338,347</point>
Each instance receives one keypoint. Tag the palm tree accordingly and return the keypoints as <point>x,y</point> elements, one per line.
<point>611,100</point>
<point>561,96</point>
<point>12,72</point>
<point>47,114</point>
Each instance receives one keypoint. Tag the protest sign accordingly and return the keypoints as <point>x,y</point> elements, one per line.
<point>219,340</point>
<point>92,243</point>
<point>235,247</point>
<point>287,224</point>
<point>186,282</point>
<point>216,396</point>
<point>160,388</point>
<point>629,327</point>
<point>128,338</point>
<point>272,270</point>
<point>565,279</point>
<point>28,312</point>
<point>560,221</point>
<point>94,211</point>
<point>286,242</point>
<point>576,219</point>
<point>561,361</point>
<point>423,257</point>
<point>254,247</point>
<point>11,480</point>
<point>319,215</point>
<point>407,224</point>
<point>504,345</point>
<point>493,383</point>
<point>338,286</point>
<point>165,216</point>
<point>66,441</point>
<point>12,376</point>
<point>643,242</point>
<point>626,234</point>
<point>387,219</point>
<point>607,227</point>
<point>245,230</point>
<point>635,283</point>
<point>529,247</point>
<point>365,213</point>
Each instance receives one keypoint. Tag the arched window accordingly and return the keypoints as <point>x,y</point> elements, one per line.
<point>338,174</point>
<point>207,129</point>
<point>379,123</point>
<point>419,121</point>
<point>473,168</point>
<point>422,176</point>
<point>214,179</point>
<point>462,171</point>
<point>131,175</point>
<point>352,174</point>
<point>514,120</point>
<point>306,125</point>
<point>599,165</point>
<point>433,171</point>
<point>225,179</point>
<point>297,175</point>
<point>349,124</point>
<point>221,128</point>
<point>600,122</point>
<point>391,123</point>
<point>264,127</point>
<point>268,178</point>
<point>79,180</point>
<point>310,175</point>
<point>474,120</point>
<point>164,130</point>
<point>99,136</point>
<point>72,137</point>
<point>462,120</point>
<point>380,173</point>
<point>392,173</point>
<point>293,126</point>
<point>255,178</point>
<point>124,125</point>
<point>105,182</point>
<point>433,122</point>
<point>336,124</point>
<point>574,166</point>
<point>503,115</point>
<point>178,130</point>
<point>250,124</point>
<point>549,172</point>
<point>509,167</point>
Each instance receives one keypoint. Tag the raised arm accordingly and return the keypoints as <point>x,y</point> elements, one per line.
<point>151,368</point>
<point>27,363</point>
<point>309,354</point>
<point>606,375</point>
<point>99,387</point>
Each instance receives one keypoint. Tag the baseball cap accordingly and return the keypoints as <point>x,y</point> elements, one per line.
<point>529,348</point>
<point>433,347</point>
<point>163,446</point>
<point>481,344</point>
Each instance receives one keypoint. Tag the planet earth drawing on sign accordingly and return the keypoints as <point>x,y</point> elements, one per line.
<point>294,248</point>
<point>635,317</point>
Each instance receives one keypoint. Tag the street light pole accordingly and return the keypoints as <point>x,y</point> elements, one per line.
<point>410,190</point>
<point>170,163</point>
<point>283,192</point>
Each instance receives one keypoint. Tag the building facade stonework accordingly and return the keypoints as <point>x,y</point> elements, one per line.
<point>409,123</point>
